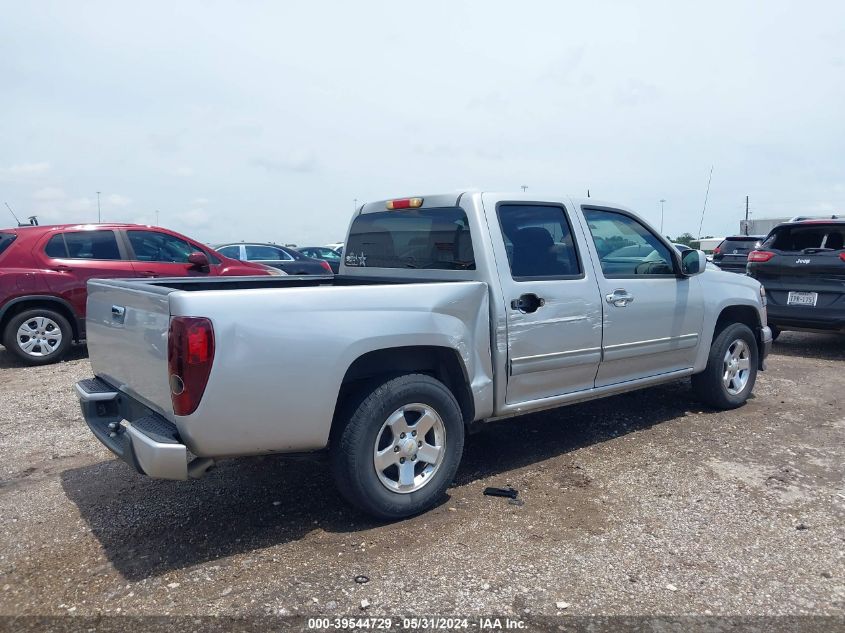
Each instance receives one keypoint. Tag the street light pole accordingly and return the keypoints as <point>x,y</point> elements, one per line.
<point>661,215</point>
<point>99,218</point>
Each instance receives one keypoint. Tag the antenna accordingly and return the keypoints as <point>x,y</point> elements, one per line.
<point>13,213</point>
<point>706,194</point>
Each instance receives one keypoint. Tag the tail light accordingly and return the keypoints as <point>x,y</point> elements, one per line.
<point>760,256</point>
<point>190,354</point>
<point>842,256</point>
<point>717,250</point>
<point>325,265</point>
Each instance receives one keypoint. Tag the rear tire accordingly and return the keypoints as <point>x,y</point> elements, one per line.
<point>399,448</point>
<point>38,337</point>
<point>728,379</point>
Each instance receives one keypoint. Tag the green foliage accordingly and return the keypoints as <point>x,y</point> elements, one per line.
<point>685,238</point>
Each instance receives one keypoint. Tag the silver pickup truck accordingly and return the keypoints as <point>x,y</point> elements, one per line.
<point>448,309</point>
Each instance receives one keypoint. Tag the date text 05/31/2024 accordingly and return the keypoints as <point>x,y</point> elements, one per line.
<point>415,623</point>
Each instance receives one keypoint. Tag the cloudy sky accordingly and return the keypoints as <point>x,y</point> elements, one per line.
<point>255,120</point>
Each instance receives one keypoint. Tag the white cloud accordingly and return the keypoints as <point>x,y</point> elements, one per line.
<point>50,194</point>
<point>200,202</point>
<point>184,171</point>
<point>116,200</point>
<point>195,218</point>
<point>296,163</point>
<point>23,171</point>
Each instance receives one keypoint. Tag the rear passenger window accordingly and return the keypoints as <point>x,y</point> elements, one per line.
<point>5,240</point>
<point>230,251</point>
<point>56,247</point>
<point>267,253</point>
<point>100,245</point>
<point>538,241</point>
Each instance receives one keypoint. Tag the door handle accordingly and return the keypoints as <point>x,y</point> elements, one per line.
<point>619,298</point>
<point>528,303</point>
<point>149,273</point>
<point>61,268</point>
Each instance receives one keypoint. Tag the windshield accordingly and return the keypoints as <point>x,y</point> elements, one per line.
<point>412,238</point>
<point>807,237</point>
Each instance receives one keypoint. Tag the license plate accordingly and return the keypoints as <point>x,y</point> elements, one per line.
<point>802,298</point>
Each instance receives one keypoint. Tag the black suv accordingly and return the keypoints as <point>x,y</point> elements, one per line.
<point>802,266</point>
<point>732,253</point>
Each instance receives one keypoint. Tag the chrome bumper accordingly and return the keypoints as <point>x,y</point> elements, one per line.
<point>139,436</point>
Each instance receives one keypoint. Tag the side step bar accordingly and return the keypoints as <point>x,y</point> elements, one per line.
<point>95,390</point>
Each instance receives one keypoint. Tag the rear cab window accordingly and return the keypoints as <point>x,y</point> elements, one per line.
<point>434,238</point>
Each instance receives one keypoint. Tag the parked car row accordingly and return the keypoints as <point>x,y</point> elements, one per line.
<point>44,271</point>
<point>801,263</point>
<point>291,261</point>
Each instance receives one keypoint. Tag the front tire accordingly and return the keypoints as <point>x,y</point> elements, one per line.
<point>399,448</point>
<point>38,336</point>
<point>728,379</point>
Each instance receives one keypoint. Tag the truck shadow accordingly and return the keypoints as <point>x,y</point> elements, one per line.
<point>810,345</point>
<point>150,527</point>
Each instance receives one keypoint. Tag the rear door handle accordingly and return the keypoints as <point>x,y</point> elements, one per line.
<point>149,273</point>
<point>619,298</point>
<point>62,268</point>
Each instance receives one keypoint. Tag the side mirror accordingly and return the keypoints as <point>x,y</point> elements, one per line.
<point>199,260</point>
<point>693,263</point>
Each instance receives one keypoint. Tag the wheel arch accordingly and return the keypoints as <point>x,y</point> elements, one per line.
<point>737,314</point>
<point>442,363</point>
<point>29,302</point>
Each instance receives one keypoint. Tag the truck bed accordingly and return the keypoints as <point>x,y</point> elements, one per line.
<point>282,347</point>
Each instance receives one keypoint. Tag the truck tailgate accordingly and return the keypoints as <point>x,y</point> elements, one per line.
<point>127,338</point>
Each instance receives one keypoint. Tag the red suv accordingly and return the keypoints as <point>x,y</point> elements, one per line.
<point>44,271</point>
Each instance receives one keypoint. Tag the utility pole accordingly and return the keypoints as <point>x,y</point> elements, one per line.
<point>354,204</point>
<point>99,219</point>
<point>524,187</point>
<point>156,217</point>
<point>661,215</point>
<point>746,215</point>
<point>588,193</point>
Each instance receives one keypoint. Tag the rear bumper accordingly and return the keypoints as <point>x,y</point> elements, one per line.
<point>806,317</point>
<point>137,435</point>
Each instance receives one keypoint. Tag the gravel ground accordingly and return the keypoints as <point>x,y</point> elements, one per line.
<point>645,503</point>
